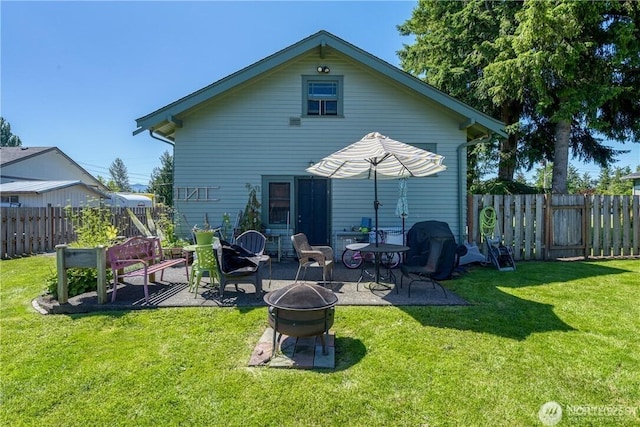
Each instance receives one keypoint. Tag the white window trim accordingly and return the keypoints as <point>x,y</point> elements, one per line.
<point>305,94</point>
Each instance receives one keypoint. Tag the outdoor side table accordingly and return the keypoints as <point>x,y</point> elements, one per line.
<point>378,250</point>
<point>277,240</point>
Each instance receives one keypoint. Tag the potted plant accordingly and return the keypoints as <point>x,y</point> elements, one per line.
<point>171,244</point>
<point>251,219</point>
<point>204,234</point>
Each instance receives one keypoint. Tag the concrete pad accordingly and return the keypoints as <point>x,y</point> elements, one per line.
<point>293,353</point>
<point>173,291</point>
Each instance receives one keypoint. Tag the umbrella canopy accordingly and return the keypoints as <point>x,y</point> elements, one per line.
<point>375,157</point>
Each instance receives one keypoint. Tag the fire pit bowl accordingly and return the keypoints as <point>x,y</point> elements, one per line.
<point>301,310</point>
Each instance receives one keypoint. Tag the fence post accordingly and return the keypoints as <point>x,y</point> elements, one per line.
<point>63,288</point>
<point>101,265</point>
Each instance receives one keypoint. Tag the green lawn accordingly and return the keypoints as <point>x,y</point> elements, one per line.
<point>564,332</point>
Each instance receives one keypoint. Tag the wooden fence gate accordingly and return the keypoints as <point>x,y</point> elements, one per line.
<point>546,227</point>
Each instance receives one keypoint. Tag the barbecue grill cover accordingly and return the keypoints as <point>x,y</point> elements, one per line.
<point>419,239</point>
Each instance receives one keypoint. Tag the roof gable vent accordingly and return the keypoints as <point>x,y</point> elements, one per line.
<point>295,121</point>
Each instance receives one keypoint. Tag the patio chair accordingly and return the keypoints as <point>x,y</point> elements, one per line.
<point>431,256</point>
<point>255,242</point>
<point>424,271</point>
<point>313,256</point>
<point>236,265</point>
<point>205,261</point>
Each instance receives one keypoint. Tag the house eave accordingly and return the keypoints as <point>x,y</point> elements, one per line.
<point>165,120</point>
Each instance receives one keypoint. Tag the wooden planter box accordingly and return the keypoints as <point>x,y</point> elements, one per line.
<point>67,257</point>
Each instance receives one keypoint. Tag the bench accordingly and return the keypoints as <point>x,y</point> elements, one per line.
<point>140,256</point>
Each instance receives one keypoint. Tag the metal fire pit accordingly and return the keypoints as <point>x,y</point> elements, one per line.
<point>301,310</point>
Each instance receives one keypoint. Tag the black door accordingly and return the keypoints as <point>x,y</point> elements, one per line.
<point>312,207</point>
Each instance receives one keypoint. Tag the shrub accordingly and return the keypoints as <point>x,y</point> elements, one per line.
<point>94,227</point>
<point>80,281</point>
<point>497,186</point>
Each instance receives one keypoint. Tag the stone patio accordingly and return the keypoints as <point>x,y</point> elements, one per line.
<point>173,291</point>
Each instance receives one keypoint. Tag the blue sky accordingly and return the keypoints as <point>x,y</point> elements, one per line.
<point>77,74</point>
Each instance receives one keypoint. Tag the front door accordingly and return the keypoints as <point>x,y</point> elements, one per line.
<point>312,207</point>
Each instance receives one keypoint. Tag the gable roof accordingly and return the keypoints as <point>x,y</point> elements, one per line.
<point>165,120</point>
<point>9,155</point>
<point>13,155</point>
<point>39,187</point>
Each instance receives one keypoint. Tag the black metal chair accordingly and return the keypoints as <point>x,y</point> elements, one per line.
<point>236,265</point>
<point>255,242</point>
<point>431,256</point>
<point>424,271</point>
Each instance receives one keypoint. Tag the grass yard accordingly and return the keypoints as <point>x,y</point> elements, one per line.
<point>567,332</point>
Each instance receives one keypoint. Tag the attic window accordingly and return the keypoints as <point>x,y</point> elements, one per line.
<point>322,96</point>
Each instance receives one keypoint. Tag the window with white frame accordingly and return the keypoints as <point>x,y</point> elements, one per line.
<point>322,96</point>
<point>10,199</point>
<point>277,200</point>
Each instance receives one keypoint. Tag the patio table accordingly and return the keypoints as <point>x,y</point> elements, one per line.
<point>378,250</point>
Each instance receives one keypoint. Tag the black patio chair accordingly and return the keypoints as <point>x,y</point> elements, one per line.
<point>431,256</point>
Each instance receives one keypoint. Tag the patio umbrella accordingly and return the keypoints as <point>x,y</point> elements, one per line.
<point>375,157</point>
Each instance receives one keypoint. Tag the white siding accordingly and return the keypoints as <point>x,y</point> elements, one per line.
<point>48,166</point>
<point>75,196</point>
<point>241,136</point>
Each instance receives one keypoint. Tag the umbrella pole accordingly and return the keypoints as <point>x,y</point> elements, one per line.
<point>404,240</point>
<point>376,204</point>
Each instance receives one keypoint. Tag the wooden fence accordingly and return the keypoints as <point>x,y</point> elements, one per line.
<point>536,227</point>
<point>35,230</point>
<point>547,227</point>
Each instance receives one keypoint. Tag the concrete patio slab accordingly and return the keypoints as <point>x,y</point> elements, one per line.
<point>293,353</point>
<point>173,291</point>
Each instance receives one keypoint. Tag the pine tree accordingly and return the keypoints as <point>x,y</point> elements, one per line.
<point>161,183</point>
<point>8,139</point>
<point>120,175</point>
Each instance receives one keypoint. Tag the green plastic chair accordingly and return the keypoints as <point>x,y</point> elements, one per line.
<point>205,261</point>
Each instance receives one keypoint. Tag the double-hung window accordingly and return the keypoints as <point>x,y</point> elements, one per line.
<point>279,202</point>
<point>322,95</point>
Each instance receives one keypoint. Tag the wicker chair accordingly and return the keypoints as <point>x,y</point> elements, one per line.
<point>313,256</point>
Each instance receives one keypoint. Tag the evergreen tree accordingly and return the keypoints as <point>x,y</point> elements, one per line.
<point>610,181</point>
<point>451,52</point>
<point>161,182</point>
<point>618,185</point>
<point>559,74</point>
<point>569,61</point>
<point>120,175</point>
<point>8,139</point>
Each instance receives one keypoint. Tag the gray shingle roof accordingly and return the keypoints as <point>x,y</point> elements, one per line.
<point>12,154</point>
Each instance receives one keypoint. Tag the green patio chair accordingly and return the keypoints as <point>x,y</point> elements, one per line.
<point>205,261</point>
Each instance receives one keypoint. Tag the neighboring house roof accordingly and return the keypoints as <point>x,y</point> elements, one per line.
<point>165,120</point>
<point>13,155</point>
<point>635,175</point>
<point>38,187</point>
<point>9,155</point>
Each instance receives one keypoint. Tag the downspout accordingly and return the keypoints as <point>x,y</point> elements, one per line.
<point>161,139</point>
<point>462,179</point>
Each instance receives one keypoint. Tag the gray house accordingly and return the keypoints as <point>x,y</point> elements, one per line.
<point>265,124</point>
<point>635,177</point>
<point>45,176</point>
